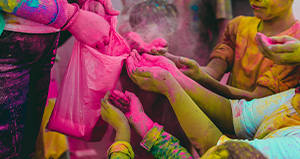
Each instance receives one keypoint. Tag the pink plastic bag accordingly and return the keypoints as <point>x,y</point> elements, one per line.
<point>90,74</point>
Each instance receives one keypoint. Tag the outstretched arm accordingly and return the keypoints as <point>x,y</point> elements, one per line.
<point>121,148</point>
<point>217,108</point>
<point>155,140</point>
<point>200,130</point>
<point>204,78</point>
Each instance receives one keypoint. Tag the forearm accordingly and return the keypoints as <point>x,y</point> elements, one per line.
<point>175,59</point>
<point>216,68</point>
<point>123,134</point>
<point>48,12</point>
<point>232,92</point>
<point>200,130</point>
<point>224,90</point>
<point>163,145</point>
<point>216,107</point>
<point>142,124</point>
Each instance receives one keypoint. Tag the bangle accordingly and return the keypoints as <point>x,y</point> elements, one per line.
<point>70,22</point>
<point>121,147</point>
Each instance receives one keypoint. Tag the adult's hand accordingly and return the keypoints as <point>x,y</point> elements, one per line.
<point>283,50</point>
<point>97,6</point>
<point>90,29</point>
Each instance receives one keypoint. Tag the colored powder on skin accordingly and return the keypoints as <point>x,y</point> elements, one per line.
<point>121,104</point>
<point>31,3</point>
<point>11,6</point>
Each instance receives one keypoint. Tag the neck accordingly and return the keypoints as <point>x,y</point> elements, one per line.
<point>278,24</point>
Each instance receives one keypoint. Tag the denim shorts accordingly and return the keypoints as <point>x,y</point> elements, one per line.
<point>25,64</point>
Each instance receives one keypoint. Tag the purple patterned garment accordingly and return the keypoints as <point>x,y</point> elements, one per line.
<point>25,64</point>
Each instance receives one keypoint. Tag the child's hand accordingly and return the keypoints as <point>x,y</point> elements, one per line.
<point>136,116</point>
<point>153,79</point>
<point>191,69</point>
<point>112,115</point>
<point>158,46</point>
<point>135,109</point>
<point>283,50</point>
<point>161,61</point>
<point>119,100</point>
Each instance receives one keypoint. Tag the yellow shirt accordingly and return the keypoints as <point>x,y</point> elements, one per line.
<point>248,67</point>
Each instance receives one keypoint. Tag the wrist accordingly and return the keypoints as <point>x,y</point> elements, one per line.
<point>73,13</point>
<point>142,124</point>
<point>172,85</point>
<point>123,133</point>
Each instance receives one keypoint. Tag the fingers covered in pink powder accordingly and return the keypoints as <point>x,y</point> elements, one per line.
<point>157,46</point>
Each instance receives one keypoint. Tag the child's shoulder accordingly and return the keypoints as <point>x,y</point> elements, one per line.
<point>245,19</point>
<point>293,31</point>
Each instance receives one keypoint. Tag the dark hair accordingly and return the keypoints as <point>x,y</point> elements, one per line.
<point>238,149</point>
<point>158,12</point>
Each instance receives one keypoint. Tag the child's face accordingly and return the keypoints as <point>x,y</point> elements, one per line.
<point>269,9</point>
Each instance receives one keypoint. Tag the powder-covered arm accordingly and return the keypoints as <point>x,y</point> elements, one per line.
<point>163,145</point>
<point>49,12</point>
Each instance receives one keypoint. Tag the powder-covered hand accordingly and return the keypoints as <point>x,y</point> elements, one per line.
<point>153,79</point>
<point>100,6</point>
<point>97,7</point>
<point>191,69</point>
<point>91,29</point>
<point>136,116</point>
<point>158,46</point>
<point>112,115</point>
<point>162,62</point>
<point>136,110</point>
<point>283,50</point>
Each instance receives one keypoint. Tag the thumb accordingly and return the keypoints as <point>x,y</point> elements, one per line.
<point>142,72</point>
<point>109,7</point>
<point>104,101</point>
<point>188,62</point>
<point>131,96</point>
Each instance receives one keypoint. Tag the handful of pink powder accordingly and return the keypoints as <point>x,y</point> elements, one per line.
<point>119,102</point>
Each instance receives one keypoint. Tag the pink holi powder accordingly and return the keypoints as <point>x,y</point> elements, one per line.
<point>265,39</point>
<point>238,111</point>
<point>120,103</point>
